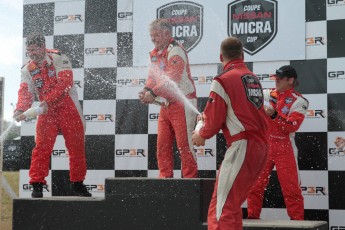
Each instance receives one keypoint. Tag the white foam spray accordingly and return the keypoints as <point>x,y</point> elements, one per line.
<point>178,93</point>
<point>6,132</point>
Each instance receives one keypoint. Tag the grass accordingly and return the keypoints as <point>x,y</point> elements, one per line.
<point>6,203</point>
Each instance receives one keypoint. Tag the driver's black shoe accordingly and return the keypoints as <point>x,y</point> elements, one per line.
<point>79,189</point>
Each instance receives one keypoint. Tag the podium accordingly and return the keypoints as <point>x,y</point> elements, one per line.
<point>134,203</point>
<point>129,203</point>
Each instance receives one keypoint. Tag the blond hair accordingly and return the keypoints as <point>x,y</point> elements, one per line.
<point>160,24</point>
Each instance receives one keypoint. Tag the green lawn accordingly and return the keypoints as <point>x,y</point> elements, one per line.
<point>6,203</point>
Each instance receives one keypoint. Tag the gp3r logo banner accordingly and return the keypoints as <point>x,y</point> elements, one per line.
<point>186,20</point>
<point>254,22</point>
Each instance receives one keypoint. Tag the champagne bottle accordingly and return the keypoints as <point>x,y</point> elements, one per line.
<point>199,125</point>
<point>33,112</point>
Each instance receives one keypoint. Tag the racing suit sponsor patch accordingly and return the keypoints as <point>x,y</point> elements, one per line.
<point>38,82</point>
<point>34,72</point>
<point>285,110</point>
<point>154,59</point>
<point>253,90</point>
<point>288,100</point>
<point>162,65</point>
<point>51,72</point>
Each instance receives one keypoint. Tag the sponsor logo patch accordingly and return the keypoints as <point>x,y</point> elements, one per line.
<point>254,22</point>
<point>253,90</point>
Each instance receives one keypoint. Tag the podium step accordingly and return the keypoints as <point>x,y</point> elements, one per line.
<point>281,225</point>
<point>129,203</point>
<point>160,203</point>
<point>61,212</point>
<point>284,225</point>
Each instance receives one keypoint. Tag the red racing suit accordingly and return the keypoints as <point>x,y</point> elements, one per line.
<point>54,84</point>
<point>235,105</point>
<point>291,108</point>
<point>170,78</point>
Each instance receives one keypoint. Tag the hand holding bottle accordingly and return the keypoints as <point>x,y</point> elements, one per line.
<point>30,113</point>
<point>196,138</point>
<point>269,110</point>
<point>199,125</point>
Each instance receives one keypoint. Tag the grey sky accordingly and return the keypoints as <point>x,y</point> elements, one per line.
<point>11,45</point>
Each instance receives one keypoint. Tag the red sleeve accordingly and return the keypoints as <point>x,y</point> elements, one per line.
<point>150,83</point>
<point>25,97</point>
<point>65,82</point>
<point>290,123</point>
<point>214,116</point>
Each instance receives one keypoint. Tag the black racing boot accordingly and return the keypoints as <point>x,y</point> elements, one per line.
<point>79,189</point>
<point>37,190</point>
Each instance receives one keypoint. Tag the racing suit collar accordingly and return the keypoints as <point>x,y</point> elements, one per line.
<point>233,63</point>
<point>156,52</point>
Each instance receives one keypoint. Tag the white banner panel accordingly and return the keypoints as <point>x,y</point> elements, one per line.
<point>335,9</point>
<point>266,27</point>
<point>60,156</point>
<point>336,157</point>
<point>336,75</point>
<point>28,127</point>
<point>100,50</point>
<point>41,1</point>
<point>336,219</point>
<point>316,40</point>
<point>99,116</point>
<point>206,155</point>
<point>155,174</point>
<point>124,16</point>
<point>25,189</point>
<point>314,185</point>
<point>130,81</point>
<point>316,117</point>
<point>69,17</point>
<point>274,214</point>
<point>202,76</point>
<point>131,152</point>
